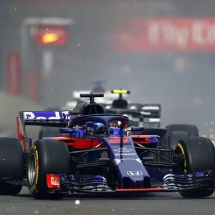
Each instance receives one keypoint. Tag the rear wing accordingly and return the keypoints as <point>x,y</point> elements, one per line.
<point>39,118</point>
<point>151,113</point>
<point>44,118</point>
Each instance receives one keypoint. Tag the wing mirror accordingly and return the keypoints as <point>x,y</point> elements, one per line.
<point>133,129</point>
<point>67,130</point>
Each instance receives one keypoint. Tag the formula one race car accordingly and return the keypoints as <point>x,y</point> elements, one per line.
<point>139,114</point>
<point>135,111</point>
<point>149,116</point>
<point>92,152</point>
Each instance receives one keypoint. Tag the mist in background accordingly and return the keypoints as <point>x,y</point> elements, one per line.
<point>162,51</point>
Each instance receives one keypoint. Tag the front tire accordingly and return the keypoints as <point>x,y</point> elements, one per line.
<point>46,157</point>
<point>199,155</point>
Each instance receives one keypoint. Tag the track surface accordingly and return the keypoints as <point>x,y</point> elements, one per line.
<point>148,204</point>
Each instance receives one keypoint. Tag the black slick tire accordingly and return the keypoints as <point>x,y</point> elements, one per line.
<point>175,136</point>
<point>192,130</point>
<point>49,132</point>
<point>199,155</point>
<point>11,165</point>
<point>178,131</point>
<point>46,157</point>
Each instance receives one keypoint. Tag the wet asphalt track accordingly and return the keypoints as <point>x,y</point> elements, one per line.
<point>148,204</point>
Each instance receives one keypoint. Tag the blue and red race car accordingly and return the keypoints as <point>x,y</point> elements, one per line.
<point>89,151</point>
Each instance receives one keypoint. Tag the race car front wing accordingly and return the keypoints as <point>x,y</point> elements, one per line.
<point>98,184</point>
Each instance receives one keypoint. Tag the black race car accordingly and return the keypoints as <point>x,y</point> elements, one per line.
<point>149,116</point>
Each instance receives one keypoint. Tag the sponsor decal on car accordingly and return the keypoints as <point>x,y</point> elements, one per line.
<point>124,149</point>
<point>134,173</point>
<point>40,115</point>
<point>125,154</point>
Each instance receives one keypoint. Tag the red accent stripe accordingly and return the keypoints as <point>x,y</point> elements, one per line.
<point>141,139</point>
<point>78,143</point>
<point>117,140</point>
<point>140,136</point>
<point>139,189</point>
<point>19,129</point>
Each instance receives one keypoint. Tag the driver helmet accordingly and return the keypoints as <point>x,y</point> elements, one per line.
<point>96,127</point>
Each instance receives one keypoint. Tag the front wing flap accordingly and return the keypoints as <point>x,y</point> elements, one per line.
<point>98,184</point>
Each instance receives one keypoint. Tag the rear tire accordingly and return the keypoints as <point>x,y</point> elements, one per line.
<point>199,155</point>
<point>46,157</point>
<point>11,165</point>
<point>192,130</point>
<point>175,136</point>
<point>49,132</point>
<point>173,130</point>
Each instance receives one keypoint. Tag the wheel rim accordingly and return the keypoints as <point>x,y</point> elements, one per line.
<point>180,150</point>
<point>31,169</point>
